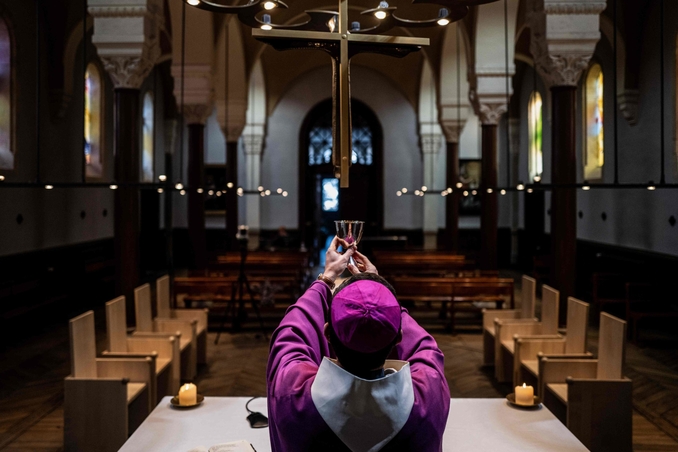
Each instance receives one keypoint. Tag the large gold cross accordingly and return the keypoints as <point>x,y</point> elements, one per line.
<point>341,44</point>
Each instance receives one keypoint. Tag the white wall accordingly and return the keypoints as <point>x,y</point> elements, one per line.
<point>402,156</point>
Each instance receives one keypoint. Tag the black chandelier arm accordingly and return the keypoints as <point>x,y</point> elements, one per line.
<point>247,14</point>
<point>453,3</point>
<point>455,12</point>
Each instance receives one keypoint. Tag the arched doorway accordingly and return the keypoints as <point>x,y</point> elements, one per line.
<point>321,201</point>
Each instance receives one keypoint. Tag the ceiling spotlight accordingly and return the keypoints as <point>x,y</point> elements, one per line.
<point>380,13</point>
<point>503,192</point>
<point>537,179</point>
<point>284,194</point>
<point>193,2</point>
<point>49,187</point>
<point>399,193</point>
<point>459,185</point>
<point>160,190</point>
<point>279,191</point>
<point>270,5</point>
<point>179,186</point>
<point>355,26</point>
<point>229,185</point>
<point>489,190</point>
<point>442,17</point>
<point>404,190</point>
<point>113,187</point>
<point>424,188</point>
<point>521,186</point>
<point>200,190</point>
<point>266,25</point>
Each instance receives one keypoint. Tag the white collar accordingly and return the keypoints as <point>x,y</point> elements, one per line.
<point>364,414</point>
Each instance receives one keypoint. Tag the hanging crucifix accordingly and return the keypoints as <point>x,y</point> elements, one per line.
<point>329,31</point>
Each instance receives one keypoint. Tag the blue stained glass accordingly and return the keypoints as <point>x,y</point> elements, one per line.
<point>330,195</point>
<point>320,143</point>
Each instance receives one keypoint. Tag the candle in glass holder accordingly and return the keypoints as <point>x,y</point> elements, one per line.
<point>188,394</point>
<point>524,395</point>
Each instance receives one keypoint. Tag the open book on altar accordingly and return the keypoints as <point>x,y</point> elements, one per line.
<point>233,446</point>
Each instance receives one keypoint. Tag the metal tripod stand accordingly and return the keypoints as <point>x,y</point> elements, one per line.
<point>238,309</point>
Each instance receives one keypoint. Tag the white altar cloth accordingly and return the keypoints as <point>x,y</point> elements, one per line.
<point>474,425</point>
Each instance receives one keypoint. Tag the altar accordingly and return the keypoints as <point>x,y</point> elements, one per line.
<point>474,425</point>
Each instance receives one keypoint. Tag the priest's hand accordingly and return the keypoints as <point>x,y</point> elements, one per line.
<point>336,262</point>
<point>363,264</point>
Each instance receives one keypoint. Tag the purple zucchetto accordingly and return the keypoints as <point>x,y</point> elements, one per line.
<point>365,316</point>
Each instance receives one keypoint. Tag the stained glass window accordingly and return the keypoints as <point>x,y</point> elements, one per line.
<point>534,113</point>
<point>330,195</point>
<point>594,149</point>
<point>93,154</point>
<point>6,150</point>
<point>147,152</point>
<point>320,142</point>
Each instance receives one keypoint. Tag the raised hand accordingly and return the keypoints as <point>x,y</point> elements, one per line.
<point>363,264</point>
<point>336,262</point>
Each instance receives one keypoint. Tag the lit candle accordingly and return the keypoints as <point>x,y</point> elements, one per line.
<point>188,394</point>
<point>524,395</point>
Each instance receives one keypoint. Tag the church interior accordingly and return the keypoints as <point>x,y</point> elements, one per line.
<point>172,173</point>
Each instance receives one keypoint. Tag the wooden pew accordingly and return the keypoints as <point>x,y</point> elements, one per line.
<point>147,326</point>
<point>591,396</point>
<point>105,399</point>
<point>507,331</point>
<point>164,349</point>
<point>526,312</point>
<point>528,350</point>
<point>454,291</point>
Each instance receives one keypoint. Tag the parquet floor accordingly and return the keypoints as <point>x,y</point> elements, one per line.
<point>32,372</point>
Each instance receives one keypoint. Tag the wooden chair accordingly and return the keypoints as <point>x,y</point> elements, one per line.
<point>529,350</point>
<point>163,348</point>
<point>105,399</point>
<point>147,326</point>
<point>164,309</point>
<point>526,311</point>
<point>507,330</point>
<point>591,396</point>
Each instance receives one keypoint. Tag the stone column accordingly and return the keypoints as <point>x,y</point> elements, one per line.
<point>563,39</point>
<point>126,37</point>
<point>431,144</point>
<point>514,136</point>
<point>452,130</point>
<point>231,193</point>
<point>490,109</point>
<point>197,98</point>
<point>253,143</point>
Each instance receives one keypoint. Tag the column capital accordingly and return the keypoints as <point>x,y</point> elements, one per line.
<point>198,91</point>
<point>564,34</point>
<point>197,113</point>
<point>126,37</point>
<point>231,116</point>
<point>253,143</point>
<point>453,119</point>
<point>431,143</point>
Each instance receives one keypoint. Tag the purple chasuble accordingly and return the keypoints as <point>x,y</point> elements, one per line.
<point>298,346</point>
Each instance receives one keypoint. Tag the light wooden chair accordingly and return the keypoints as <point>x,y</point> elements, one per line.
<point>591,396</point>
<point>164,309</point>
<point>526,312</point>
<point>529,350</point>
<point>105,399</point>
<point>507,330</point>
<point>163,348</point>
<point>147,326</point>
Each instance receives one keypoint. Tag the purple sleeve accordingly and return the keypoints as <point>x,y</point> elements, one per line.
<point>431,392</point>
<point>298,346</point>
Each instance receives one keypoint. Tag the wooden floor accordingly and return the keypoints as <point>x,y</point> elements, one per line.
<point>32,372</point>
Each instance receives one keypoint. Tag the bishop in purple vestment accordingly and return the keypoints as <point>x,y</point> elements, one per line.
<point>349,397</point>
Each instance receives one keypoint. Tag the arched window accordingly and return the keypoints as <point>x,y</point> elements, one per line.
<point>594,147</point>
<point>6,105</point>
<point>93,122</point>
<point>320,141</point>
<point>535,128</point>
<point>147,153</point>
